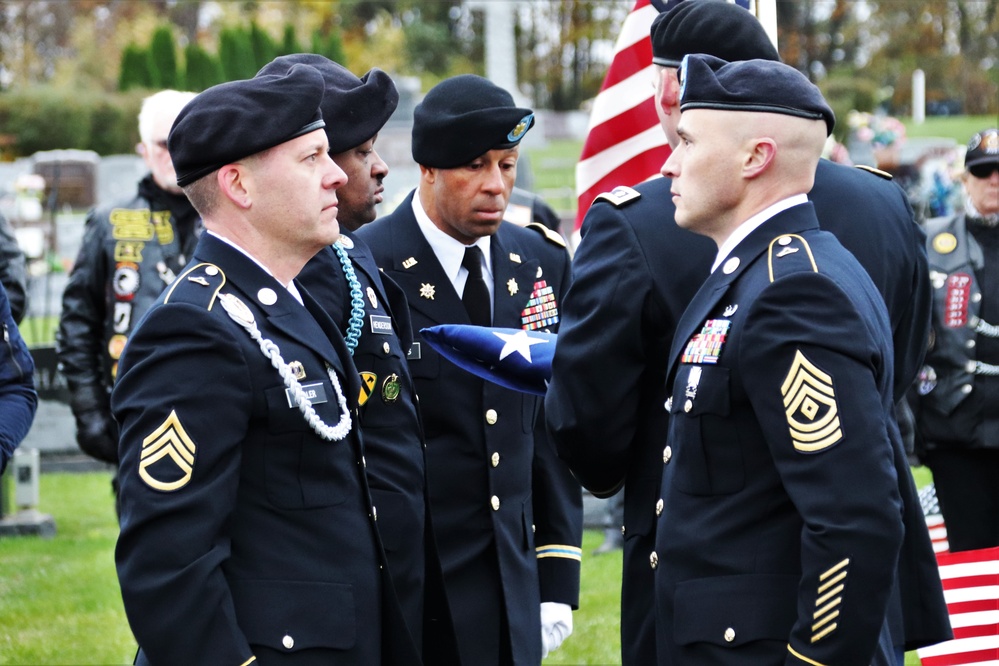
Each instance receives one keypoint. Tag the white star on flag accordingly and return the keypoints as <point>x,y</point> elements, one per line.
<point>519,342</point>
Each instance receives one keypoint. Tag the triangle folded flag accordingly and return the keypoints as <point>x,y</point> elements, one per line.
<point>511,357</point>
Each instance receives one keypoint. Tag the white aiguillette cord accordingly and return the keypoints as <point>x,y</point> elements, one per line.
<point>241,314</point>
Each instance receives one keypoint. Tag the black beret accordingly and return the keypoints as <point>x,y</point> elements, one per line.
<point>355,109</point>
<point>707,82</point>
<point>464,117</point>
<point>233,120</point>
<point>714,27</point>
<point>983,148</point>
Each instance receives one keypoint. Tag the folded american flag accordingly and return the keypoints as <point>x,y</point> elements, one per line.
<point>971,589</point>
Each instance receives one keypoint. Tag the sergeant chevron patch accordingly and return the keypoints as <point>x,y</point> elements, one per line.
<point>811,407</point>
<point>167,459</point>
<point>829,599</point>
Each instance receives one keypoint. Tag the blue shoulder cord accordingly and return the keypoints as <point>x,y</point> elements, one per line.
<point>356,300</point>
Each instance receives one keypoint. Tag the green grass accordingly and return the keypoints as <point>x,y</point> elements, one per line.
<point>62,605</point>
<point>959,128</point>
<point>61,601</point>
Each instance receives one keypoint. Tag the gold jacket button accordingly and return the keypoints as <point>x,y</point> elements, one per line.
<point>659,507</point>
<point>729,635</point>
<point>288,642</point>
<point>654,560</point>
<point>495,459</point>
<point>386,348</point>
<point>491,416</point>
<point>494,501</point>
<point>667,454</point>
<point>687,406</point>
<point>623,530</point>
<point>374,512</point>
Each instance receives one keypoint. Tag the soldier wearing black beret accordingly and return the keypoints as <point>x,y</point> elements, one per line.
<point>372,312</point>
<point>507,514</point>
<point>247,528</point>
<point>780,377</point>
<point>607,418</point>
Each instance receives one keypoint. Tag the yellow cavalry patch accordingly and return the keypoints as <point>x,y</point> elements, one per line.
<point>167,459</point>
<point>811,407</point>
<point>368,380</point>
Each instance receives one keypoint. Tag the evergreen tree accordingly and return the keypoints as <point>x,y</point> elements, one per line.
<point>236,54</point>
<point>135,71</point>
<point>163,59</point>
<point>329,45</point>
<point>203,69</point>
<point>289,41</point>
<point>262,45</point>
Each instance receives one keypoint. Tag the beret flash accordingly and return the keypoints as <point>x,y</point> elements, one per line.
<point>767,86</point>
<point>464,117</point>
<point>355,109</point>
<point>233,120</point>
<point>714,27</point>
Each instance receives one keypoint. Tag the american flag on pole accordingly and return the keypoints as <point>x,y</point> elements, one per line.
<point>971,590</point>
<point>624,143</point>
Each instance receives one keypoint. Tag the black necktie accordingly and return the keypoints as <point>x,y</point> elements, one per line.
<point>476,294</point>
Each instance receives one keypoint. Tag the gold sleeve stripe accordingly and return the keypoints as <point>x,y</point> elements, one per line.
<point>558,550</point>
<point>249,661</point>
<point>802,657</point>
<point>833,569</point>
<point>829,595</point>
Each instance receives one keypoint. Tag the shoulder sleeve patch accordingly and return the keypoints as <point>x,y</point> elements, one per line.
<point>619,196</point>
<point>790,253</point>
<point>876,172</point>
<point>197,285</point>
<point>552,236</point>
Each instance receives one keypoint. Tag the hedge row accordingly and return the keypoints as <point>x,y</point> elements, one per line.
<point>45,118</point>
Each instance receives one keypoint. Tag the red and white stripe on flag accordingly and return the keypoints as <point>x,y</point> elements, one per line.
<point>624,143</point>
<point>971,588</point>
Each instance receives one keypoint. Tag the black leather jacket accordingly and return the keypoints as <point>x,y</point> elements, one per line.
<point>131,251</point>
<point>13,275</point>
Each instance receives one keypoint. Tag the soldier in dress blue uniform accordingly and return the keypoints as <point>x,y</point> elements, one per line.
<point>247,529</point>
<point>634,273</point>
<point>372,312</point>
<point>507,513</point>
<point>780,515</point>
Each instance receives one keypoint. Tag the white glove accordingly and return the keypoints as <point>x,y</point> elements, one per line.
<point>556,625</point>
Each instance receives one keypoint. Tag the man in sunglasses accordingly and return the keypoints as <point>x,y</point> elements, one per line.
<point>958,388</point>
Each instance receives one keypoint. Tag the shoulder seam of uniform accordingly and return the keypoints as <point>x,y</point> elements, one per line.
<point>875,171</point>
<point>619,196</point>
<point>770,253</point>
<point>552,236</point>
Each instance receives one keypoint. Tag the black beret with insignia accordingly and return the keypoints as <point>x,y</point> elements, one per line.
<point>766,86</point>
<point>714,27</point>
<point>464,117</point>
<point>355,109</point>
<point>233,120</point>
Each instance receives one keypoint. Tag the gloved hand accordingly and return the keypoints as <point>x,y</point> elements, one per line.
<point>96,431</point>
<point>95,434</point>
<point>556,625</point>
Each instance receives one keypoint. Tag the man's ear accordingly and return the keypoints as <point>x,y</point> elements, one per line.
<point>428,173</point>
<point>233,180</point>
<point>669,98</point>
<point>759,157</point>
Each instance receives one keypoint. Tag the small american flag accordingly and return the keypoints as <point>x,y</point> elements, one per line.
<point>624,143</point>
<point>971,589</point>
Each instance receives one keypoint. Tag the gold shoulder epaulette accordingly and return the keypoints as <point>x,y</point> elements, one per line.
<point>790,253</point>
<point>876,172</point>
<point>552,236</point>
<point>619,196</point>
<point>198,285</point>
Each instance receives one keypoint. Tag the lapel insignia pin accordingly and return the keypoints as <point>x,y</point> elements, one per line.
<point>297,369</point>
<point>372,298</point>
<point>427,290</point>
<point>391,388</point>
<point>730,310</point>
<point>409,263</point>
<point>511,284</point>
<point>540,273</point>
<point>514,257</point>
